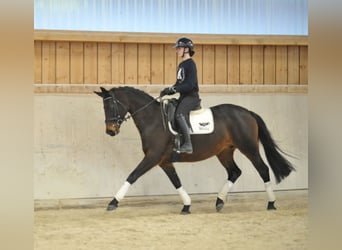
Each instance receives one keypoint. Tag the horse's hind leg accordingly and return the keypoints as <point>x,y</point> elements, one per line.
<point>233,171</point>
<point>170,171</point>
<point>263,171</point>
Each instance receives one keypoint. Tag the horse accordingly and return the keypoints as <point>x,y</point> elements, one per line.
<point>235,128</point>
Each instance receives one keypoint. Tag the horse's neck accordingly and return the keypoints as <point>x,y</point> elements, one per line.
<point>137,104</point>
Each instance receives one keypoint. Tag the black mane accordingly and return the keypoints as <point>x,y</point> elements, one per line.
<point>135,91</point>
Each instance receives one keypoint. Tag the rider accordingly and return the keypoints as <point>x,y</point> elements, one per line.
<point>187,86</point>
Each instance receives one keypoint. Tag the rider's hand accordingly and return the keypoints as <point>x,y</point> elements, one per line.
<point>168,91</point>
<point>163,92</point>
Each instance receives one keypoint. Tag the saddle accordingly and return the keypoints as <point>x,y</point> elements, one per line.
<point>201,122</point>
<point>201,119</point>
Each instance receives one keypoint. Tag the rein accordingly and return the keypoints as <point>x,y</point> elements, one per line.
<point>143,107</point>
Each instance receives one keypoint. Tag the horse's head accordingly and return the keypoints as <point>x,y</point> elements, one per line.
<point>114,110</point>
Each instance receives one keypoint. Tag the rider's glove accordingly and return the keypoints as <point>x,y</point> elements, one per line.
<point>168,91</point>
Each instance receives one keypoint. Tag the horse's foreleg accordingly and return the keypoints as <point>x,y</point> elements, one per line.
<point>186,200</point>
<point>170,171</point>
<point>146,164</point>
<point>119,196</point>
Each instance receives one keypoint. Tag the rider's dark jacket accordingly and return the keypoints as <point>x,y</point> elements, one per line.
<point>187,86</point>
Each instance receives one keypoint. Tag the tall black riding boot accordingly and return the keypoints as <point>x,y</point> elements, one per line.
<point>186,147</point>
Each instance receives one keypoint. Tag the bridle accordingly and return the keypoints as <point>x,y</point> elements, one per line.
<point>115,114</point>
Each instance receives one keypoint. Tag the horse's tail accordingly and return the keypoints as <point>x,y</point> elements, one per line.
<point>280,166</point>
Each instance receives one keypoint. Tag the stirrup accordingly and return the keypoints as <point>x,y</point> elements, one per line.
<point>187,150</point>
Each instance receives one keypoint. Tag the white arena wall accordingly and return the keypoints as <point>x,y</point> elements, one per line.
<point>74,158</point>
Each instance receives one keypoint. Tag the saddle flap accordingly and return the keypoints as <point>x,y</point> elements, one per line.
<point>169,107</point>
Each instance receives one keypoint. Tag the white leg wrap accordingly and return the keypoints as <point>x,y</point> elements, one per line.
<point>269,190</point>
<point>184,195</point>
<point>122,191</point>
<point>225,189</point>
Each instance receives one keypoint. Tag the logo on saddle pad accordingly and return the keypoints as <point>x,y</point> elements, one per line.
<point>201,121</point>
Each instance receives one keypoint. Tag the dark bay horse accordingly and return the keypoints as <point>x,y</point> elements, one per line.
<point>235,128</point>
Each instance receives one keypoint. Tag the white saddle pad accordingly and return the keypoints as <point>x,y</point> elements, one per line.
<point>202,122</point>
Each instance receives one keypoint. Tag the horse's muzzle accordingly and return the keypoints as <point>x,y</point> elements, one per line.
<point>112,129</point>
<point>110,132</point>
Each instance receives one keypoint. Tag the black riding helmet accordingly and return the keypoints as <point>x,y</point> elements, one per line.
<point>185,42</point>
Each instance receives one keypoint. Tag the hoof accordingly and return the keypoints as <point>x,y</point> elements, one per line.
<point>112,205</point>
<point>270,206</point>
<point>186,210</point>
<point>219,204</point>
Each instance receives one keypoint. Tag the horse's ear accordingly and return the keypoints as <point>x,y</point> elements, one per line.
<point>103,90</point>
<point>98,93</point>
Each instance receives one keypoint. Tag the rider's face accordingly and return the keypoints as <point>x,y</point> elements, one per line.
<point>179,51</point>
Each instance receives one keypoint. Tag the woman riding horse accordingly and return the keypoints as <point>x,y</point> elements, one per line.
<point>235,128</point>
<point>187,86</point>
